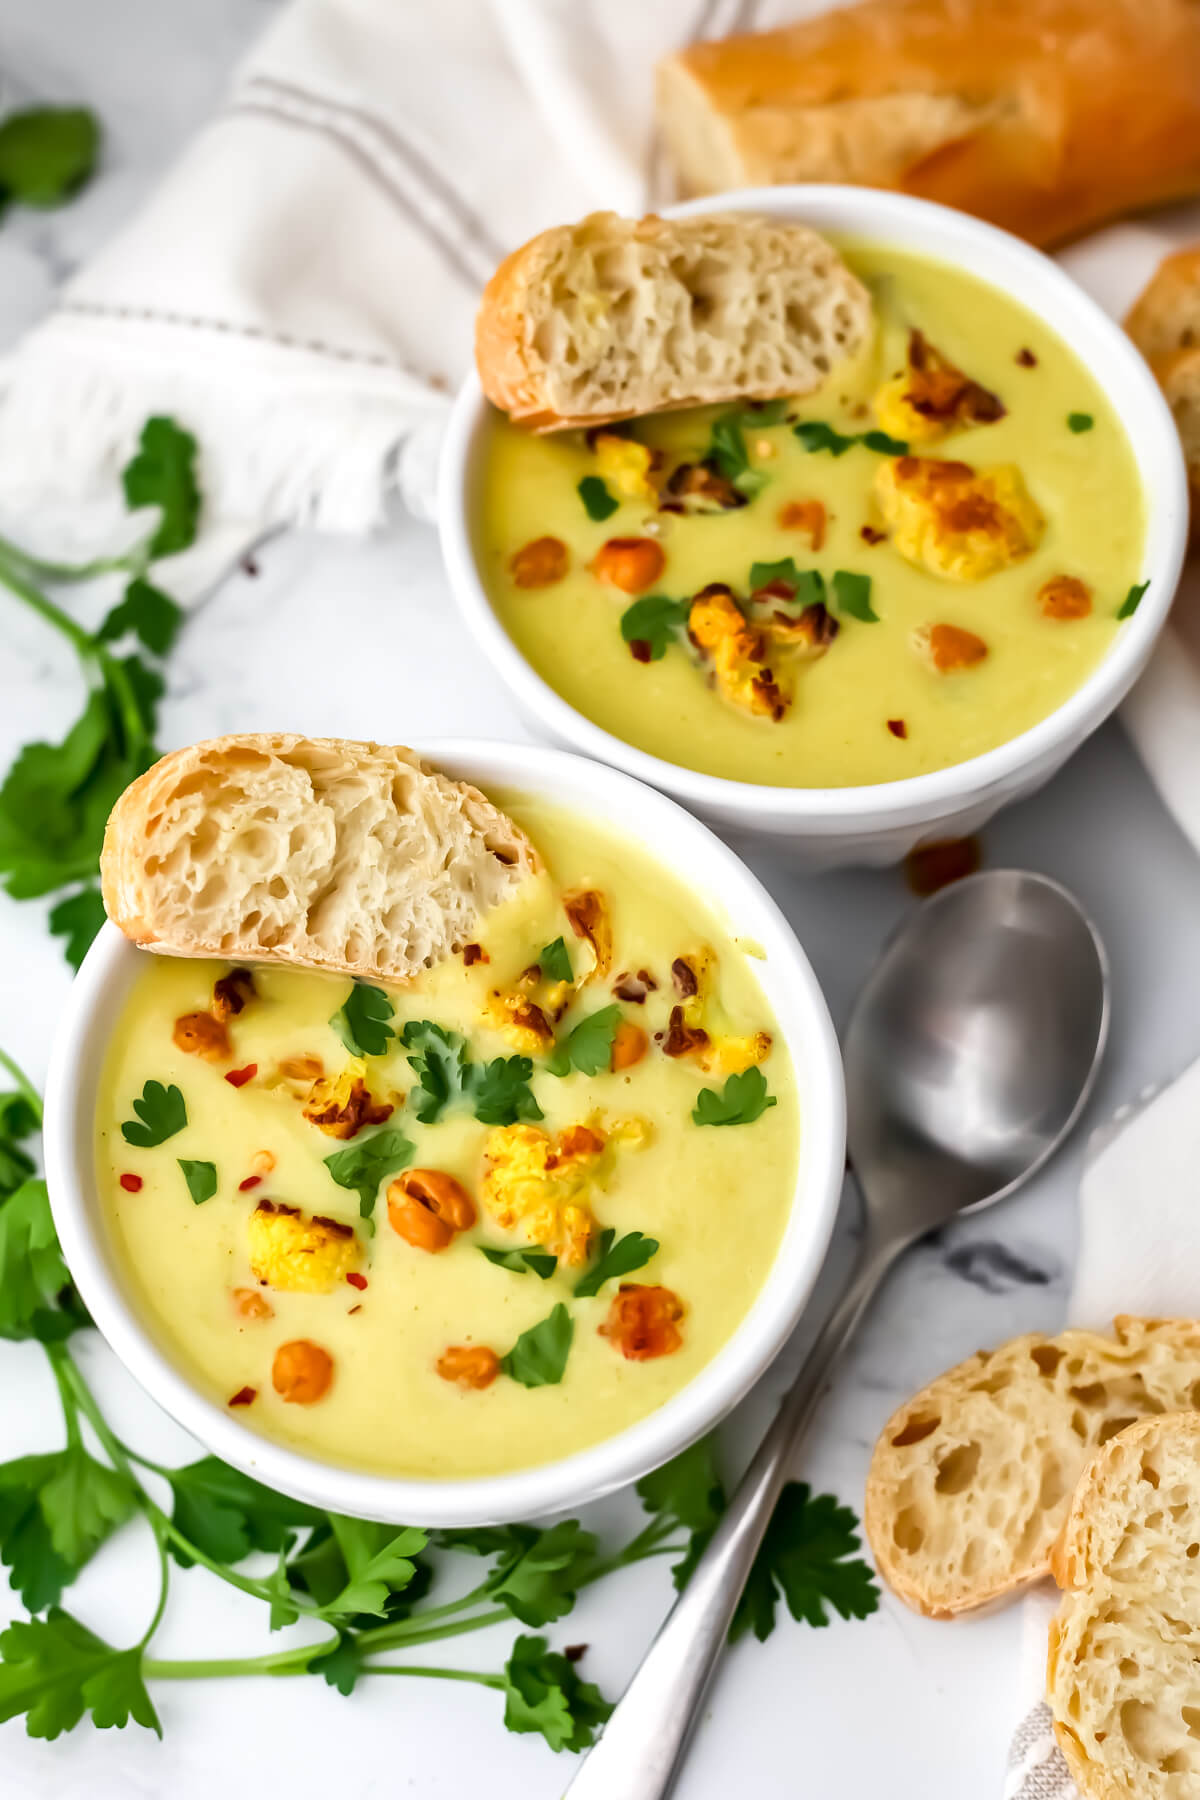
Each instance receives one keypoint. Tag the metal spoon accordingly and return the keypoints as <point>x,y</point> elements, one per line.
<point>969,1056</point>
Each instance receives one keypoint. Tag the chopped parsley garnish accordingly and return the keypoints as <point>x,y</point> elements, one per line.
<point>498,1091</point>
<point>539,1356</point>
<point>743,1099</point>
<point>816,434</point>
<point>1132,600</point>
<point>364,1166</point>
<point>532,1261</point>
<point>852,594</point>
<point>588,1047</point>
<point>727,447</point>
<point>785,570</point>
<point>614,1259</point>
<point>201,1178</point>
<point>654,621</point>
<point>598,502</point>
<point>162,1112</point>
<point>364,1022</point>
<point>554,962</point>
<point>1079,421</point>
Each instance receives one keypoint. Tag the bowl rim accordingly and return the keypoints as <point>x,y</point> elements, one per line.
<point>990,253</point>
<point>81,1043</point>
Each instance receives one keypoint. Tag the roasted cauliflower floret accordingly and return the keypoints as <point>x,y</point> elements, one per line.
<point>956,521</point>
<point>299,1255</point>
<point>515,1016</point>
<point>693,1026</point>
<point>590,919</point>
<point>717,626</point>
<point>626,465</point>
<point>538,1185</point>
<point>340,1105</point>
<point>931,397</point>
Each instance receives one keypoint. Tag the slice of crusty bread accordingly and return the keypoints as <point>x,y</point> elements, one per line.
<point>1164,323</point>
<point>351,857</point>
<point>1123,1674</point>
<point>971,1479</point>
<point>615,317</point>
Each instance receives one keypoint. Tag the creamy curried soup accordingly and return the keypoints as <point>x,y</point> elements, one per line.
<point>475,1224</point>
<point>899,572</point>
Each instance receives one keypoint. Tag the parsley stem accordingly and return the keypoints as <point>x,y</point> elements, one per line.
<point>164,1578</point>
<point>28,1092</point>
<point>481,1680</point>
<point>415,1631</point>
<point>66,1394</point>
<point>130,561</point>
<point>275,1662</point>
<point>45,607</point>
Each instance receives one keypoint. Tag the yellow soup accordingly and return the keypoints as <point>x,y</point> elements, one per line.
<point>404,1349</point>
<point>912,566</point>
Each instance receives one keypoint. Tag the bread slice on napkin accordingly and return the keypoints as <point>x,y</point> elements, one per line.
<point>356,858</point>
<point>1123,1674</point>
<point>612,317</point>
<point>971,1480</point>
<point>1164,323</point>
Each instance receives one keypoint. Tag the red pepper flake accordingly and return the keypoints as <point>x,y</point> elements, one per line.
<point>131,1183</point>
<point>356,1281</point>
<point>239,1077</point>
<point>869,535</point>
<point>243,1397</point>
<point>898,728</point>
<point>474,953</point>
<point>251,1181</point>
<point>639,649</point>
<point>933,866</point>
<point>1027,359</point>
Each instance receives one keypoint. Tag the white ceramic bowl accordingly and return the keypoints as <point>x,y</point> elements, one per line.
<point>878,824</point>
<point>691,851</point>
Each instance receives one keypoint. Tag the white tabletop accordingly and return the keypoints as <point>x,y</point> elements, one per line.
<point>895,1705</point>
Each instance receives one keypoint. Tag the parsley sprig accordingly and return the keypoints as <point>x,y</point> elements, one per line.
<point>498,1092</point>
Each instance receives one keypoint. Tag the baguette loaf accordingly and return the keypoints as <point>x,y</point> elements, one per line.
<point>1123,1673</point>
<point>614,317</point>
<point>971,1479</point>
<point>1164,323</point>
<point>1045,116</point>
<point>330,855</point>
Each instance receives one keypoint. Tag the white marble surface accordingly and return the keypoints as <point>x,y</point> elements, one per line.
<point>325,638</point>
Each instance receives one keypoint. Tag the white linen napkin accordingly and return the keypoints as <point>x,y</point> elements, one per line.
<point>1150,1148</point>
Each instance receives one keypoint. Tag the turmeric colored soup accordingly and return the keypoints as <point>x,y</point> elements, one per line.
<point>1050,493</point>
<point>215,1279</point>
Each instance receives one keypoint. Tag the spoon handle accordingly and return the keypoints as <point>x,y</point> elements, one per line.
<point>641,1751</point>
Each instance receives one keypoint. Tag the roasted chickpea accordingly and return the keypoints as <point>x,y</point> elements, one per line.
<point>1065,597</point>
<point>947,648</point>
<point>250,1304</point>
<point>301,1372</point>
<point>426,1207</point>
<point>642,1321</point>
<point>628,1045</point>
<point>540,563</point>
<point>631,564</point>
<point>471,1365</point>
<point>201,1035</point>
<point>807,516</point>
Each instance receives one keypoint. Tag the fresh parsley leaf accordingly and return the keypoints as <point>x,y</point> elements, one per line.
<point>363,1167</point>
<point>364,1022</point>
<point>598,502</point>
<point>37,1571</point>
<point>538,1583</point>
<point>654,620</point>
<point>1132,600</point>
<point>1079,421</point>
<point>853,596</point>
<point>82,1501</point>
<point>53,1670</point>
<point>882,444</point>
<point>806,1556</point>
<point>543,1693</point>
<point>588,1047</point>
<point>146,611</point>
<point>379,1560</point>
<point>201,1178</point>
<point>33,1274</point>
<point>533,1261</point>
<point>816,434</point>
<point>743,1099</point>
<point>77,918</point>
<point>226,1514</point>
<point>689,1490</point>
<point>501,1092</point>
<point>631,1252</point>
<point>162,474</point>
<point>785,570</point>
<point>438,1058</point>
<point>18,1120</point>
<point>554,961</point>
<point>46,154</point>
<point>341,1666</point>
<point>539,1356</point>
<point>727,452</point>
<point>162,1111</point>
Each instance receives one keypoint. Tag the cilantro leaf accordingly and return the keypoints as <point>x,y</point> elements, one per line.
<point>689,1490</point>
<point>816,434</point>
<point>1132,600</point>
<point>743,1099</point>
<point>543,1693</point>
<point>363,1022</point>
<point>1079,421</point>
<point>33,1274</point>
<point>614,1259</point>
<point>654,620</point>
<point>226,1514</point>
<point>379,1561</point>
<point>54,1670</point>
<point>77,918</point>
<point>539,1582</point>
<point>162,1111</point>
<point>201,1178</point>
<point>501,1091</point>
<point>46,154</point>
<point>162,474</point>
<point>588,1047</point>
<point>363,1167</point>
<point>439,1060</point>
<point>82,1501</point>
<point>806,1556</point>
<point>853,594</point>
<point>598,502</point>
<point>146,611</point>
<point>554,962</point>
<point>533,1261</point>
<point>539,1356</point>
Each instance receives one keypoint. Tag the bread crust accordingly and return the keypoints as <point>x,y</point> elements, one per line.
<point>200,783</point>
<point>1043,116</point>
